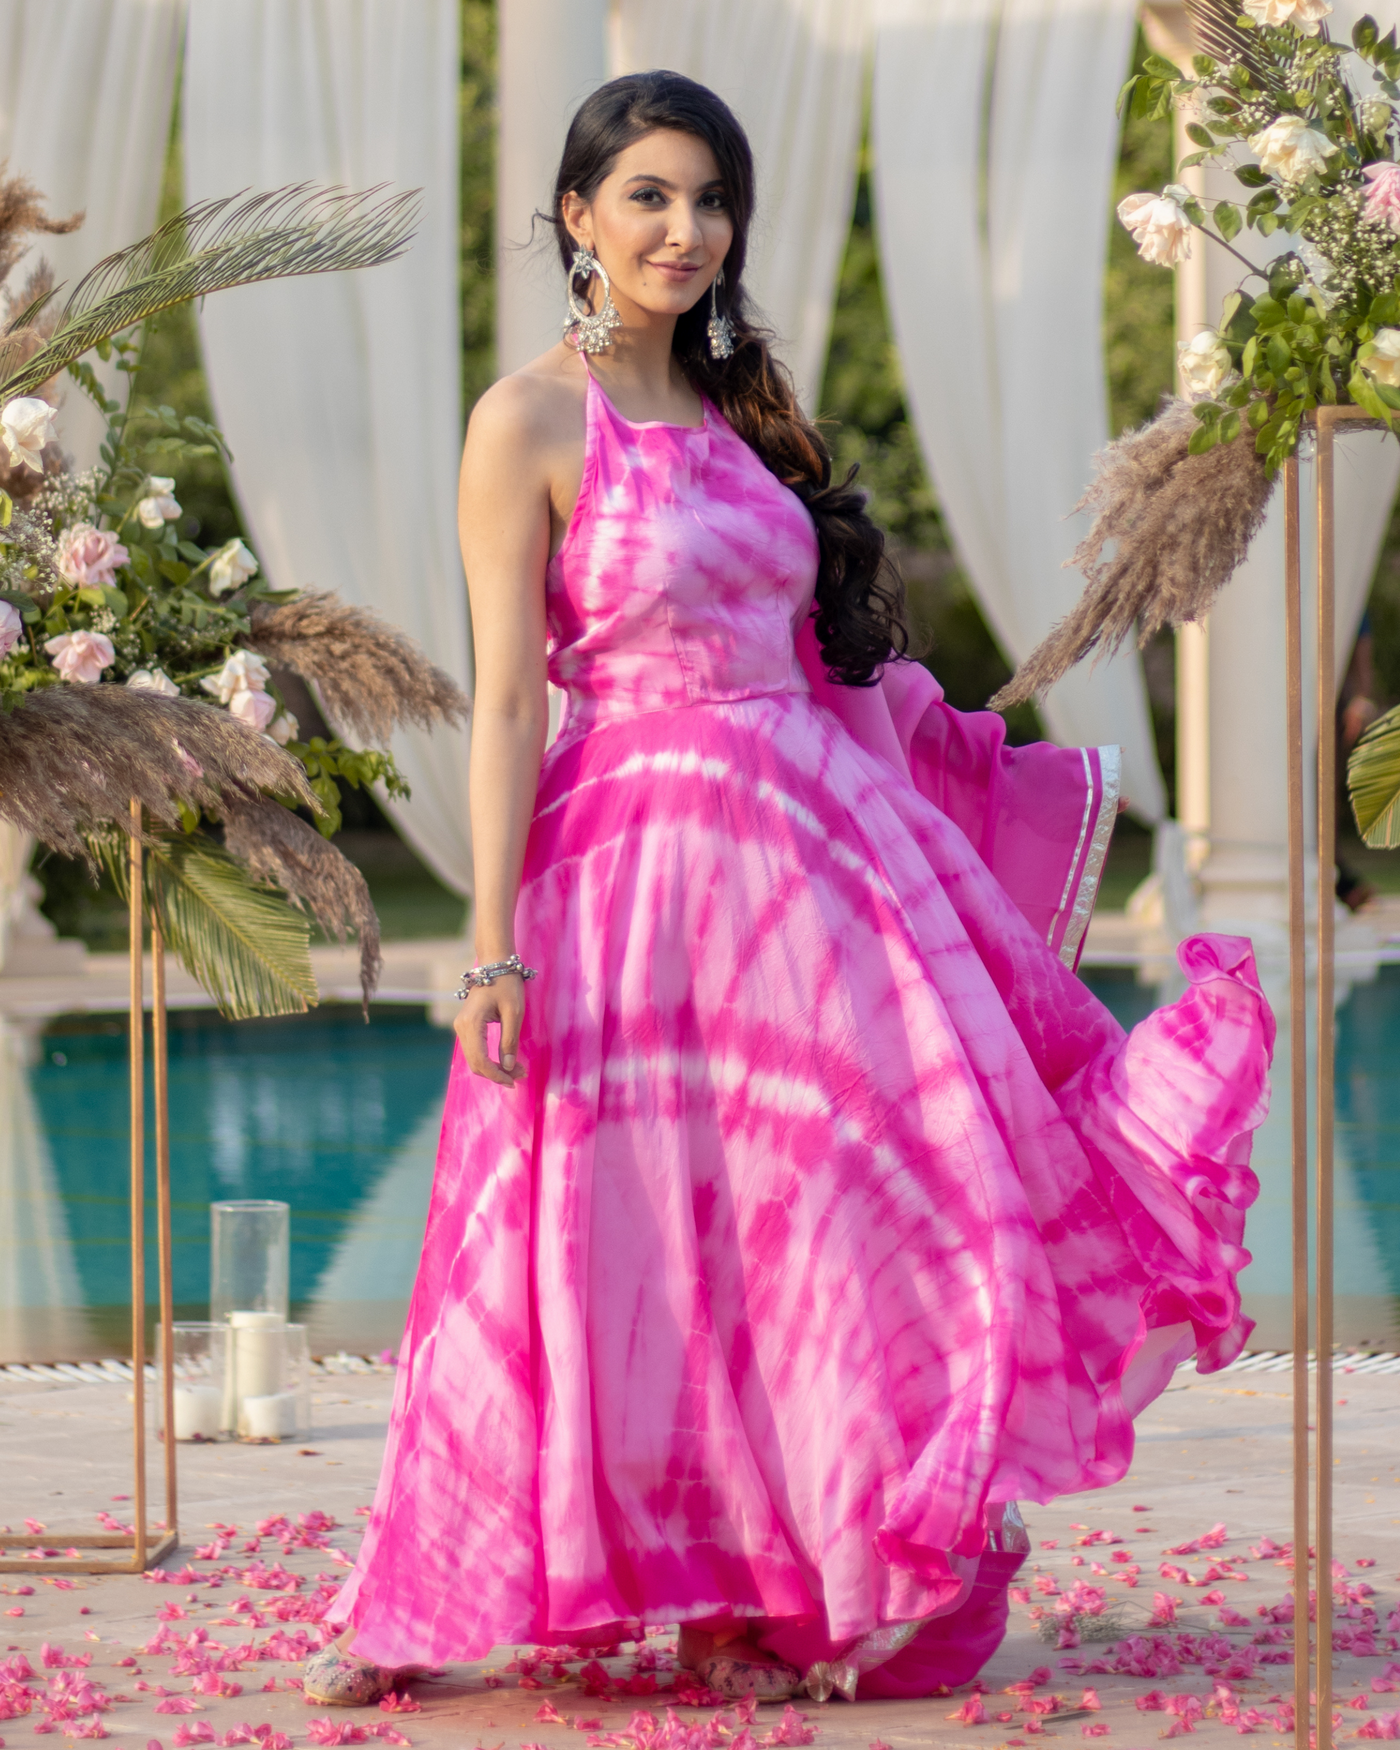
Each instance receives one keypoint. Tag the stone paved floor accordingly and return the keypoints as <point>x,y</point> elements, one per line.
<point>1207,1453</point>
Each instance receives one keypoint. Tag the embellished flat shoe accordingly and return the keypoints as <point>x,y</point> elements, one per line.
<point>336,1679</point>
<point>736,1678</point>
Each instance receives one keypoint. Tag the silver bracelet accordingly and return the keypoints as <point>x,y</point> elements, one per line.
<point>479,976</point>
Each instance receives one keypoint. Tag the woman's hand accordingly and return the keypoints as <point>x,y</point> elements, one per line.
<point>502,1000</point>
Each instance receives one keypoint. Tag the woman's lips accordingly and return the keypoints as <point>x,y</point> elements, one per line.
<point>675,270</point>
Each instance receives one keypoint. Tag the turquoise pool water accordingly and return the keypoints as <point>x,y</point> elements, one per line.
<point>340,1120</point>
<point>335,1118</point>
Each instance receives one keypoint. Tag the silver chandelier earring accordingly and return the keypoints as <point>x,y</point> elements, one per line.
<point>719,328</point>
<point>590,333</point>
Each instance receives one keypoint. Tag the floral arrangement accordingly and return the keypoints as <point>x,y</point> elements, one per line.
<point>1310,129</point>
<point>135,663</point>
<point>1314,149</point>
<point>96,585</point>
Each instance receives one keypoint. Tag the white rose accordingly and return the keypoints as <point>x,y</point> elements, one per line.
<point>26,425</point>
<point>1159,227</point>
<point>256,709</point>
<point>284,729</point>
<point>1303,15</point>
<point>153,680</point>
<point>1384,362</point>
<point>233,566</point>
<point>160,506</point>
<point>244,672</point>
<point>11,627</point>
<point>1290,149</point>
<point>1204,363</point>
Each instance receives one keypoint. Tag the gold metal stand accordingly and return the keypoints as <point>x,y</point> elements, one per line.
<point>144,1553</point>
<point>1312,1566</point>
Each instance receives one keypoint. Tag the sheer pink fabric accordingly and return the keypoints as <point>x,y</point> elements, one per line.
<point>833,1205</point>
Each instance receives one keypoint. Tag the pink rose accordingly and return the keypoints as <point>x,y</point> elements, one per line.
<point>10,628</point>
<point>81,656</point>
<point>255,709</point>
<point>1383,194</point>
<point>90,556</point>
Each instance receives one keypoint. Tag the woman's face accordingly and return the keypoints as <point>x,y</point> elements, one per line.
<point>659,223</point>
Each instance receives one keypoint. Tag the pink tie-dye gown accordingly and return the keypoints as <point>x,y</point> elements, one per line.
<point>833,1206</point>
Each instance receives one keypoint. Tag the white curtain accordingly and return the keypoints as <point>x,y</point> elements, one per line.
<point>792,71</point>
<point>340,394</point>
<point>86,88</point>
<point>995,141</point>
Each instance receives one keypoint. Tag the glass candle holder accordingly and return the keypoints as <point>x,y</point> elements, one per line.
<point>250,1258</point>
<point>200,1352</point>
<point>267,1378</point>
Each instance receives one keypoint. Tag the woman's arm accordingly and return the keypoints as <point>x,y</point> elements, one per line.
<point>504,521</point>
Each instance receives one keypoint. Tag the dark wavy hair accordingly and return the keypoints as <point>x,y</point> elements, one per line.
<point>859,605</point>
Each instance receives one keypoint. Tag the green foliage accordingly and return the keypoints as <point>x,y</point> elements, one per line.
<point>329,762</point>
<point>1324,327</point>
<point>478,172</point>
<point>1373,779</point>
<point>1138,330</point>
<point>246,946</point>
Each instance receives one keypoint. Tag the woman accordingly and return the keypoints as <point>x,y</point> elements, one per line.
<point>808,1211</point>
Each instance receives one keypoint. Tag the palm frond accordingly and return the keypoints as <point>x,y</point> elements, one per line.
<point>245,945</point>
<point>210,247</point>
<point>1213,25</point>
<point>278,846</point>
<point>1373,780</point>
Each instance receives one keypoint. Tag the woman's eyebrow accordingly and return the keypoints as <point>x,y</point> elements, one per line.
<point>662,182</point>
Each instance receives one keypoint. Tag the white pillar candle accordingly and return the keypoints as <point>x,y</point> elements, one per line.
<point>256,1358</point>
<point>198,1412</point>
<point>273,1417</point>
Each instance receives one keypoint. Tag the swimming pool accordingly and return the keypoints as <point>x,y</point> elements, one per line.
<point>340,1120</point>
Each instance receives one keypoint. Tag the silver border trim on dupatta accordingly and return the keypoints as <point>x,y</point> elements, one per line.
<point>1078,847</point>
<point>1110,770</point>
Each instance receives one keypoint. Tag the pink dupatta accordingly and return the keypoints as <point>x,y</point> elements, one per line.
<point>1040,817</point>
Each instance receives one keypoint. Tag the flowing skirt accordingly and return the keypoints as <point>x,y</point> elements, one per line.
<point>832,1209</point>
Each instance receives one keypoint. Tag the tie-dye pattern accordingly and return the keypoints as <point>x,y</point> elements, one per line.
<point>832,1206</point>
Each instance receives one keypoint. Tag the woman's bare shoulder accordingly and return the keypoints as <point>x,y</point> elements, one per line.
<point>539,405</point>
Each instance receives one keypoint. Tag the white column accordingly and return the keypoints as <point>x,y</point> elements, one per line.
<point>1168,32</point>
<point>552,53</point>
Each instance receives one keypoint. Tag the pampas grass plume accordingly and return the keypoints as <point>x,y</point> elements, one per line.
<point>73,757</point>
<point>369,676</point>
<point>1180,525</point>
